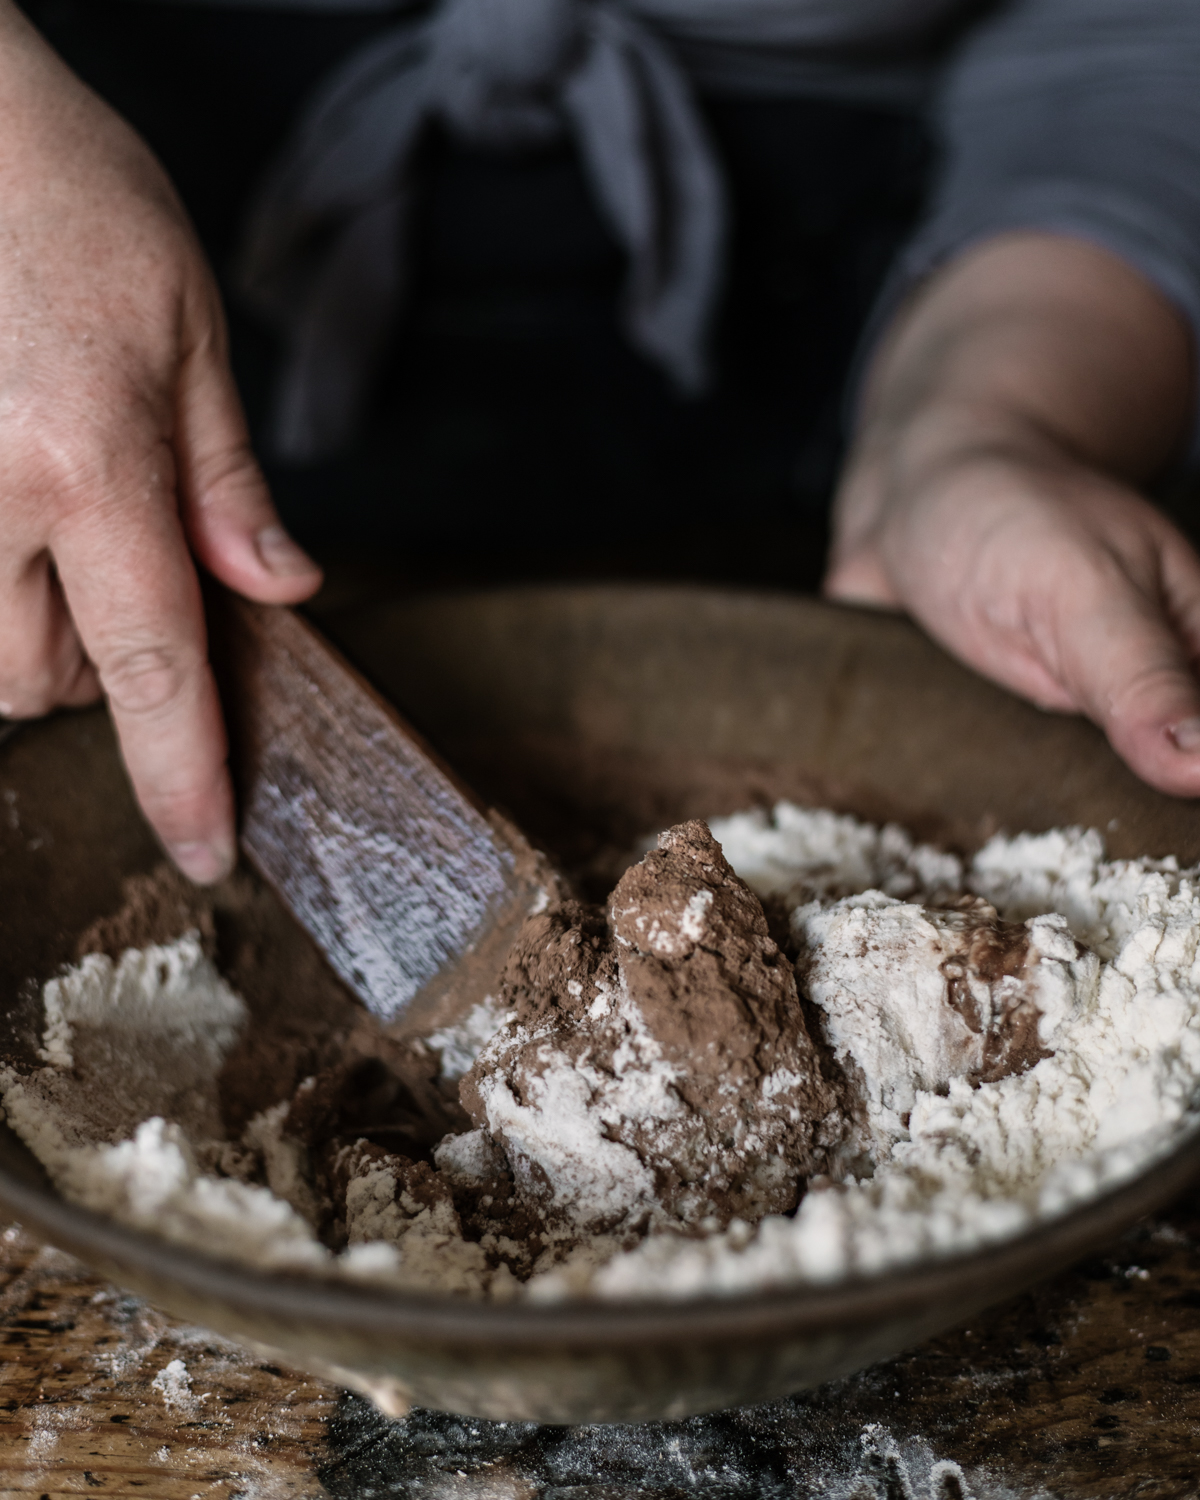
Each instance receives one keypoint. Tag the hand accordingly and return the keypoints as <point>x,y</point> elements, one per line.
<point>122,445</point>
<point>989,494</point>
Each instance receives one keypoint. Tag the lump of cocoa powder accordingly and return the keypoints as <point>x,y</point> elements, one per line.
<point>695,954</point>
<point>657,1070</point>
<point>988,969</point>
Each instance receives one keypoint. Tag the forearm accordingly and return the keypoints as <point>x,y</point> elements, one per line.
<point>50,121</point>
<point>1035,344</point>
<point>15,30</point>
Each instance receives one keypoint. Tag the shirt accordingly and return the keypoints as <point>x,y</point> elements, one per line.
<point>1079,117</point>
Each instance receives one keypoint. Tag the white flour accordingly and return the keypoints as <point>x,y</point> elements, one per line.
<point>149,1034</point>
<point>971,1164</point>
<point>563,1126</point>
<point>458,1046</point>
<point>122,1041</point>
<point>948,1163</point>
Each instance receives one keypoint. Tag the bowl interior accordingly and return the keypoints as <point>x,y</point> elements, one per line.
<point>597,714</point>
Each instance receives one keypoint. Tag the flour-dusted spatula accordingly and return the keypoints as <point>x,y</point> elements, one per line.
<point>411,887</point>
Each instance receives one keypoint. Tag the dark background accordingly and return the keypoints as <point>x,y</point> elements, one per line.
<point>513,433</point>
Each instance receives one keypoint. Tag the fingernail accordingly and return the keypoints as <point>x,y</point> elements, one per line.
<point>280,555</point>
<point>203,863</point>
<point>1186,735</point>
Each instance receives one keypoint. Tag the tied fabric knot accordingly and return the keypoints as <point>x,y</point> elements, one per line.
<point>494,65</point>
<point>324,252</point>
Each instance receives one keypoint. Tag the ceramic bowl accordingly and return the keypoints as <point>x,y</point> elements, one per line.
<point>594,715</point>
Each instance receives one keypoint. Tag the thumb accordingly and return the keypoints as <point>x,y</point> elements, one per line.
<point>231,524</point>
<point>858,576</point>
<point>855,572</point>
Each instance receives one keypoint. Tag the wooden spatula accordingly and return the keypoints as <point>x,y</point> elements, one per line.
<point>411,887</point>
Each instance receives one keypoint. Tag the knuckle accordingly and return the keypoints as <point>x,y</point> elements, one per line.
<point>1145,688</point>
<point>90,445</point>
<point>59,471</point>
<point>146,681</point>
<point>22,700</point>
<point>179,814</point>
<point>229,478</point>
<point>41,454</point>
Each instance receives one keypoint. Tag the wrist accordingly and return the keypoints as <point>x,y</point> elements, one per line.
<point>948,431</point>
<point>898,460</point>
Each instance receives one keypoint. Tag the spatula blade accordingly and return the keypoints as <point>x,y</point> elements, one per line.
<point>412,889</point>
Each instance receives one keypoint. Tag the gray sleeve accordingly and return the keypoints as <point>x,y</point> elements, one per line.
<point>1080,117</point>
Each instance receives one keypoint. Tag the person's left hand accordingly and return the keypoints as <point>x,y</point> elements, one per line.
<point>982,496</point>
<point>1063,585</point>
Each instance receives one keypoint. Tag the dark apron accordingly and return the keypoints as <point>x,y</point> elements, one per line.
<point>514,433</point>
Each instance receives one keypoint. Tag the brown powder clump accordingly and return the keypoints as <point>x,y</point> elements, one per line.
<point>675,1021</point>
<point>988,975</point>
<point>696,955</point>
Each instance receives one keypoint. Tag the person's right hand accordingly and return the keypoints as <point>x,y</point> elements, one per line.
<point>123,450</point>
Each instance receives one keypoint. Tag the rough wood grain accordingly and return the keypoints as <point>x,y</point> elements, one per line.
<point>412,889</point>
<point>1087,1389</point>
<point>91,1401</point>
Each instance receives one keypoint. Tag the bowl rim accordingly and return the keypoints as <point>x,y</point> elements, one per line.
<point>375,1310</point>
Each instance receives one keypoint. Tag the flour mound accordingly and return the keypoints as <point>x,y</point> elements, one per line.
<point>1108,967</point>
<point>916,997</point>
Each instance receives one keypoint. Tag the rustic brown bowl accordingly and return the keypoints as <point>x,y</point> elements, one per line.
<point>594,715</point>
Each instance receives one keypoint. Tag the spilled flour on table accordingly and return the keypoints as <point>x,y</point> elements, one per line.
<point>789,1050</point>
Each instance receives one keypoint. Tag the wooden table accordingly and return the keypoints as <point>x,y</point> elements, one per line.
<point>1088,1387</point>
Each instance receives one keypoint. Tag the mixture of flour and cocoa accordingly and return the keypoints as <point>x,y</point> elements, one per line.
<point>790,1047</point>
<point>655,1069</point>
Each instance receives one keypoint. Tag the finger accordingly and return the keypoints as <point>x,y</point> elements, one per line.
<point>227,512</point>
<point>42,664</point>
<point>1131,671</point>
<point>133,591</point>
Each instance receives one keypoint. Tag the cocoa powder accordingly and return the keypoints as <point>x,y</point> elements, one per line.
<point>753,1108</point>
<point>987,952</point>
